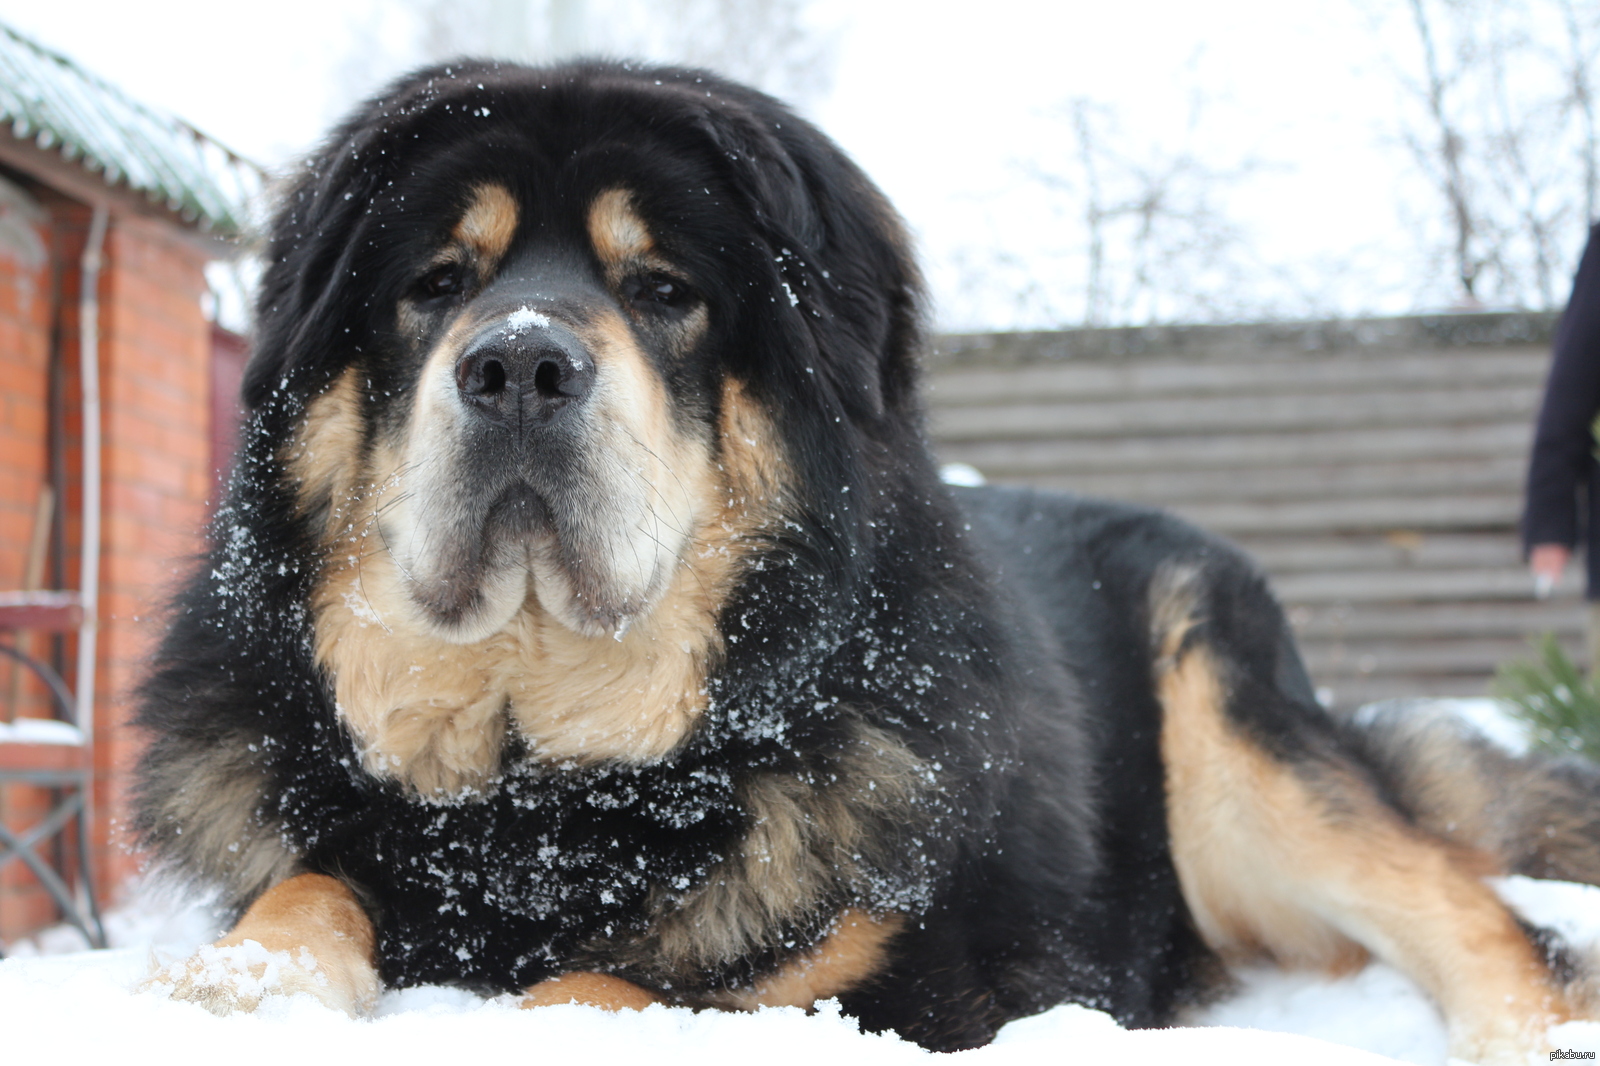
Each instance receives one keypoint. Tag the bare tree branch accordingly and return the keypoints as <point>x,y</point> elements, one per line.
<point>1505,101</point>
<point>1450,144</point>
<point>1581,52</point>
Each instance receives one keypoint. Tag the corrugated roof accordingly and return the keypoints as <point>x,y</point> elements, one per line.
<point>49,100</point>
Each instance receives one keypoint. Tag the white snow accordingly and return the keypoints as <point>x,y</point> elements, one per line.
<point>525,316</point>
<point>39,731</point>
<point>80,1006</point>
<point>961,474</point>
<point>67,1004</point>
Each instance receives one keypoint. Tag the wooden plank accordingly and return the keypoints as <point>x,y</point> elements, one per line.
<point>1228,451</point>
<point>1519,620</point>
<point>1232,414</point>
<point>1401,585</point>
<point>1372,551</point>
<point>1261,340</point>
<point>1525,367</point>
<point>1378,513</point>
<point>1350,693</point>
<point>1431,478</point>
<point>1471,657</point>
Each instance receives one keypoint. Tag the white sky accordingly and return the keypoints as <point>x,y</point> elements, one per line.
<point>943,108</point>
<point>949,106</point>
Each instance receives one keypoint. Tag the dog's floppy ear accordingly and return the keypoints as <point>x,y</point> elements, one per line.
<point>769,178</point>
<point>304,322</point>
<point>845,286</point>
<point>300,319</point>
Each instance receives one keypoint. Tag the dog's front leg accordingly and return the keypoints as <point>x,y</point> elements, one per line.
<point>590,990</point>
<point>308,934</point>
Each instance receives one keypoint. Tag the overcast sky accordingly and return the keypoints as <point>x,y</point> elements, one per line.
<point>959,110</point>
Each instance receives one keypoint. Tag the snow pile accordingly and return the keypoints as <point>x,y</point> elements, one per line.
<point>39,731</point>
<point>62,1003</point>
<point>84,1007</point>
<point>83,1004</point>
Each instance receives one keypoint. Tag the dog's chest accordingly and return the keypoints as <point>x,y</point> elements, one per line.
<point>497,891</point>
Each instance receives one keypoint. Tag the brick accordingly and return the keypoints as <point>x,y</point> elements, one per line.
<point>17,485</point>
<point>28,417</point>
<point>16,530</point>
<point>184,378</point>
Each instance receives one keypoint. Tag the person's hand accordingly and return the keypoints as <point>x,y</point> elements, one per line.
<point>1548,562</point>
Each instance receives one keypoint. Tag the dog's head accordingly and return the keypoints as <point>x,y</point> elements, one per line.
<point>537,322</point>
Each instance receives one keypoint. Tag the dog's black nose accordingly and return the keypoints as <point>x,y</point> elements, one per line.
<point>524,378</point>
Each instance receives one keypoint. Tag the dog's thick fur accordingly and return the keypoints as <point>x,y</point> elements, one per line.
<point>586,618</point>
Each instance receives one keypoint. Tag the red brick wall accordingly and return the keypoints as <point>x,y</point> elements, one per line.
<point>156,396</point>
<point>155,380</point>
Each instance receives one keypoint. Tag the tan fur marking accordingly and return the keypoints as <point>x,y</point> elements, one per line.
<point>803,842</point>
<point>390,680</point>
<point>215,796</point>
<point>308,910</point>
<point>690,331</point>
<point>424,711</point>
<point>314,919</point>
<point>850,955</point>
<point>323,458</point>
<point>616,230</point>
<point>488,225</point>
<point>1314,872</point>
<point>757,471</point>
<point>1175,598</point>
<point>589,990</point>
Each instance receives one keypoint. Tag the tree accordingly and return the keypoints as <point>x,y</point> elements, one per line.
<point>1160,243</point>
<point>766,43</point>
<point>1501,123</point>
<point>1144,225</point>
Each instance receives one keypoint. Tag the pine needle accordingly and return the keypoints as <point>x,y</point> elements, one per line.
<point>1560,706</point>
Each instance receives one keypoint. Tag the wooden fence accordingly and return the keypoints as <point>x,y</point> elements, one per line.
<point>1373,467</point>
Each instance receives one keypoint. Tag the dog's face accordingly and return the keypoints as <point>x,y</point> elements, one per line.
<point>555,439</point>
<point>566,350</point>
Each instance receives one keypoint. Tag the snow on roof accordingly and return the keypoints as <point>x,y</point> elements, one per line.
<point>49,100</point>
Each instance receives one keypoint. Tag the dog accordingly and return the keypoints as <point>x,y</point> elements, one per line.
<point>586,620</point>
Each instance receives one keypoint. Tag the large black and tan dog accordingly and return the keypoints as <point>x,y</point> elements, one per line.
<point>586,619</point>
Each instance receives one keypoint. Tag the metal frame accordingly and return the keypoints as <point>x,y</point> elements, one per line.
<point>69,809</point>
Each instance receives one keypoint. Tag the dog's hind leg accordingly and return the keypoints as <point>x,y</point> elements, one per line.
<point>1291,852</point>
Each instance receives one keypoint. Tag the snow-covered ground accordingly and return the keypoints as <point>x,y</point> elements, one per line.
<point>68,1005</point>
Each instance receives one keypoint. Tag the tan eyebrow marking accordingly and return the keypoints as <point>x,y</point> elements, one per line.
<point>615,228</point>
<point>489,223</point>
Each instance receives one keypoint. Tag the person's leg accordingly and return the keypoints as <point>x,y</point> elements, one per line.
<point>1593,638</point>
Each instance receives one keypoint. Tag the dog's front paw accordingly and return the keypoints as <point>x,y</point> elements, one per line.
<point>227,978</point>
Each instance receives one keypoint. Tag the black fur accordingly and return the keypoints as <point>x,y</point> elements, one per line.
<point>1001,636</point>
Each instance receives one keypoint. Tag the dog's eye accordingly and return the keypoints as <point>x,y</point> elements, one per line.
<point>442,282</point>
<point>657,291</point>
